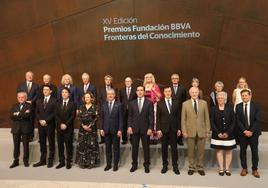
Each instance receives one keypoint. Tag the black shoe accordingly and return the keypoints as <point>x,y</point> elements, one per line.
<point>69,165</point>
<point>133,169</point>
<point>26,164</point>
<point>221,173</point>
<point>14,164</point>
<point>124,142</point>
<point>176,170</point>
<point>164,169</point>
<point>201,172</point>
<point>228,173</point>
<point>50,163</point>
<point>147,170</point>
<point>108,167</point>
<point>60,165</point>
<point>190,172</point>
<point>40,163</point>
<point>115,168</point>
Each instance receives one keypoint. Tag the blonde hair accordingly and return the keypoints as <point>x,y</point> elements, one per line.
<point>66,76</point>
<point>246,84</point>
<point>148,75</point>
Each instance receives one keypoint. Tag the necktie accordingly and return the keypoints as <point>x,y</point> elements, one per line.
<point>195,106</point>
<point>110,107</point>
<point>45,103</point>
<point>28,87</point>
<point>246,116</point>
<point>175,89</point>
<point>64,105</point>
<point>21,106</point>
<point>128,92</point>
<point>169,106</point>
<point>140,105</point>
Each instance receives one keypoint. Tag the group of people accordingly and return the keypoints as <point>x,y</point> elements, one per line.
<point>143,113</point>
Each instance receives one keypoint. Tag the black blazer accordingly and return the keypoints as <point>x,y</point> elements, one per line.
<point>216,124</point>
<point>255,118</point>
<point>141,122</point>
<point>180,96</point>
<point>91,88</point>
<point>48,113</point>
<point>166,121</point>
<point>111,123</point>
<point>32,95</point>
<point>102,95</point>
<point>22,122</point>
<point>73,94</point>
<point>66,116</point>
<point>123,97</point>
<point>53,89</point>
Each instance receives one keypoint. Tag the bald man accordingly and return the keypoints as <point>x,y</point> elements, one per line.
<point>195,126</point>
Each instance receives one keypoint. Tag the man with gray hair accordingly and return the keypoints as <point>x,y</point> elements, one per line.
<point>47,82</point>
<point>21,128</point>
<point>87,87</point>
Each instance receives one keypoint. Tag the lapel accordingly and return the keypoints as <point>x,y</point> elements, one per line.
<point>113,107</point>
<point>192,108</point>
<point>144,103</point>
<point>166,107</point>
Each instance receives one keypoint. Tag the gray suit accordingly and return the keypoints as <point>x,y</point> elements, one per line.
<point>196,126</point>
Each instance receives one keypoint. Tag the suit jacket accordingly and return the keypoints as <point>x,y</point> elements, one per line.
<point>32,95</point>
<point>22,122</point>
<point>102,95</point>
<point>48,113</point>
<point>123,97</point>
<point>53,89</point>
<point>91,88</point>
<point>195,124</point>
<point>141,122</point>
<point>166,121</point>
<point>180,95</point>
<point>66,116</point>
<point>255,118</point>
<point>73,94</point>
<point>111,123</point>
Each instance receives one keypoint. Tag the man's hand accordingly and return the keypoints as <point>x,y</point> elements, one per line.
<point>119,134</point>
<point>63,126</point>
<point>102,132</point>
<point>43,123</point>
<point>159,134</point>
<point>16,113</point>
<point>149,132</point>
<point>179,133</point>
<point>130,131</point>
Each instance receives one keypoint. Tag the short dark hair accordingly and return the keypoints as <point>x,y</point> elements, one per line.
<point>245,90</point>
<point>140,86</point>
<point>46,85</point>
<point>67,89</point>
<point>166,87</point>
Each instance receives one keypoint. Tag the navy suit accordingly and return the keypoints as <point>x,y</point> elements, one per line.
<point>254,126</point>
<point>73,94</point>
<point>111,123</point>
<point>91,88</point>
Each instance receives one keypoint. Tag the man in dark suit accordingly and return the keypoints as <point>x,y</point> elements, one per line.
<point>20,114</point>
<point>47,81</point>
<point>140,126</point>
<point>168,128</point>
<point>45,115</point>
<point>127,94</point>
<point>65,115</point>
<point>179,94</point>
<point>85,88</point>
<point>111,129</point>
<point>32,90</point>
<point>102,94</point>
<point>248,120</point>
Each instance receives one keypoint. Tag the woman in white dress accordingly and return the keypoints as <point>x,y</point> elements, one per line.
<point>242,84</point>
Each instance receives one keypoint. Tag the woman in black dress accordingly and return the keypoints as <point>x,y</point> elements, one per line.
<point>222,124</point>
<point>87,155</point>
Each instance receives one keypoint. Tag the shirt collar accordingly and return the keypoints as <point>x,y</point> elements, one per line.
<point>67,100</point>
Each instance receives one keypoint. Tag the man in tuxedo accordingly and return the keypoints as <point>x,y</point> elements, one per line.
<point>195,126</point>
<point>102,95</point>
<point>85,88</point>
<point>32,90</point>
<point>248,117</point>
<point>127,94</point>
<point>21,129</point>
<point>179,94</point>
<point>47,82</point>
<point>111,129</point>
<point>168,128</point>
<point>65,115</point>
<point>45,116</point>
<point>140,126</point>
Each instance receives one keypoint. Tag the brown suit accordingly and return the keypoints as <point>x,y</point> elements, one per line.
<point>196,126</point>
